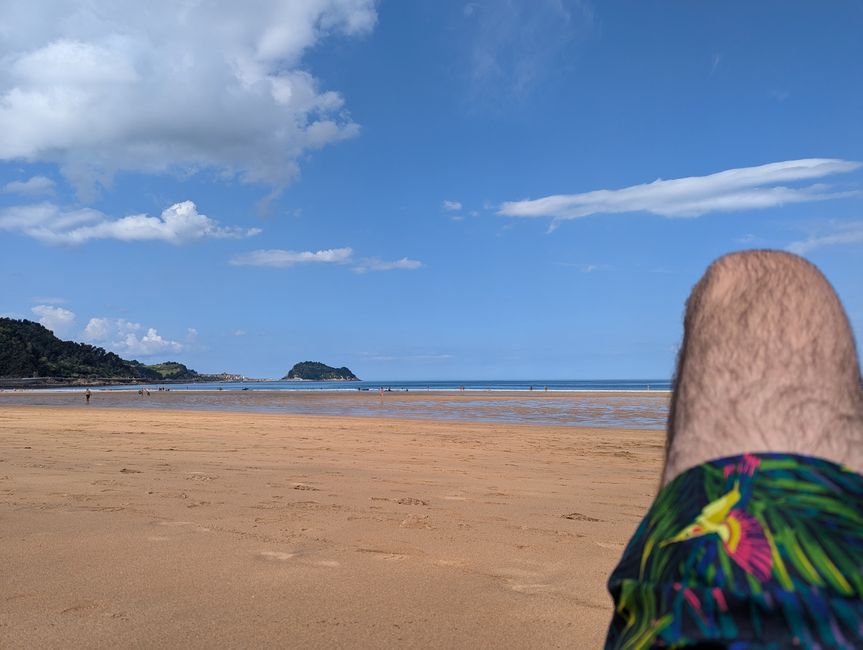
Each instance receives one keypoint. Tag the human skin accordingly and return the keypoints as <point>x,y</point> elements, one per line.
<point>768,363</point>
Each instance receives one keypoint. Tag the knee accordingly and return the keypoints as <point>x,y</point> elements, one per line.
<point>771,299</point>
<point>775,277</point>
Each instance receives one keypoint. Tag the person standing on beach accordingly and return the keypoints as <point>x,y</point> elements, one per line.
<point>755,539</point>
<point>87,396</point>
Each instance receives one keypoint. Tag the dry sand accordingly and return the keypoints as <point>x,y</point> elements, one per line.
<point>149,528</point>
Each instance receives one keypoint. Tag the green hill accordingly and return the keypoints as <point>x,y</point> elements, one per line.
<point>317,371</point>
<point>174,371</point>
<point>29,350</point>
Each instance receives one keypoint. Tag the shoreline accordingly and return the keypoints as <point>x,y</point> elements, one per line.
<point>161,527</point>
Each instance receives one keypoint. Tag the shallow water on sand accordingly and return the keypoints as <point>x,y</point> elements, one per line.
<point>637,411</point>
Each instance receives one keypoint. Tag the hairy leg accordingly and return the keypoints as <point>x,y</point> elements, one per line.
<point>768,363</point>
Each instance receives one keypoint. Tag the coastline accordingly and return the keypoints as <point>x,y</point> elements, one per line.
<point>312,531</point>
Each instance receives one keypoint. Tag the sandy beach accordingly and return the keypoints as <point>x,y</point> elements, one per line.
<point>161,527</point>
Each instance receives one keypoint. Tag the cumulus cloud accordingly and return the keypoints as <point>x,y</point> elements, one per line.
<point>31,187</point>
<point>162,86</point>
<point>281,258</point>
<point>451,206</point>
<point>181,223</point>
<point>836,235</point>
<point>374,264</point>
<point>56,319</point>
<point>123,337</point>
<point>746,188</point>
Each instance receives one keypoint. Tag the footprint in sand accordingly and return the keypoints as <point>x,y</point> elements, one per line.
<point>411,501</point>
<point>383,555</point>
<point>200,529</point>
<point>417,522</point>
<point>526,580</point>
<point>328,563</point>
<point>200,476</point>
<point>615,546</point>
<point>79,606</point>
<point>534,588</point>
<point>577,516</point>
<point>276,555</point>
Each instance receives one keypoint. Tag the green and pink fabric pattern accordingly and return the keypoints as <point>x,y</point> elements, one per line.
<point>753,551</point>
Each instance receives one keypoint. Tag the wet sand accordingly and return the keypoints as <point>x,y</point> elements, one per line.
<point>158,527</point>
<point>641,410</point>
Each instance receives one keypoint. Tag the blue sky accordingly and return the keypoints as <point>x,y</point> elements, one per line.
<point>418,190</point>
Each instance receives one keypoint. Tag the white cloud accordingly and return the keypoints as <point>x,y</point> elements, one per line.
<point>239,332</point>
<point>31,187</point>
<point>121,336</point>
<point>838,234</point>
<point>282,258</point>
<point>56,319</point>
<point>179,224</point>
<point>103,329</point>
<point>733,190</point>
<point>451,206</point>
<point>162,86</point>
<point>374,264</point>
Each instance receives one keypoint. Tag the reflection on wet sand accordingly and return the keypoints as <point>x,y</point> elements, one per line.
<point>627,410</point>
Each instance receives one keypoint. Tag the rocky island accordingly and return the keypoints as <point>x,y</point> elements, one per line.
<point>317,371</point>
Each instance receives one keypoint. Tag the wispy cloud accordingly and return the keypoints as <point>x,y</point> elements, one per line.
<point>282,258</point>
<point>31,187</point>
<point>278,258</point>
<point>836,235</point>
<point>374,264</point>
<point>732,190</point>
<point>451,206</point>
<point>514,43</point>
<point>715,60</point>
<point>586,268</point>
<point>179,224</point>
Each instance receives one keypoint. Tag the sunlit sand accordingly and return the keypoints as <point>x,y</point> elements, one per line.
<point>146,527</point>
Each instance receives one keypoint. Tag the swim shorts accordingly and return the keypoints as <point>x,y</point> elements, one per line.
<point>753,551</point>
